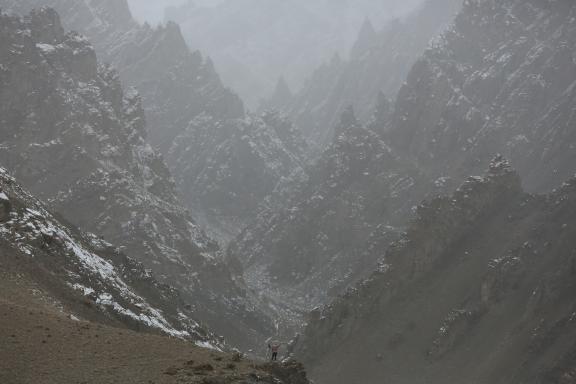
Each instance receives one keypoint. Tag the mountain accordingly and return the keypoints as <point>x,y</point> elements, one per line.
<point>479,289</point>
<point>46,347</point>
<point>254,42</point>
<point>479,282</point>
<point>73,137</point>
<point>83,274</point>
<point>311,245</point>
<point>227,168</point>
<point>379,62</point>
<point>175,100</point>
<point>500,80</point>
<point>74,308</point>
<point>179,89</point>
<point>175,84</point>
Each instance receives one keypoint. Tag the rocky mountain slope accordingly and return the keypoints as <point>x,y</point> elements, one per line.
<point>226,169</point>
<point>74,138</point>
<point>84,274</point>
<point>180,91</point>
<point>480,289</point>
<point>378,62</point>
<point>500,79</point>
<point>53,333</point>
<point>175,84</point>
<point>74,308</point>
<point>310,245</point>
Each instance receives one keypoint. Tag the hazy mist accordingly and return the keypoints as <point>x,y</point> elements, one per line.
<point>255,42</point>
<point>288,191</point>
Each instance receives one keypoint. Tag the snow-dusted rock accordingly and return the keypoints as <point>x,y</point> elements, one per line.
<point>74,138</point>
<point>227,168</point>
<point>83,266</point>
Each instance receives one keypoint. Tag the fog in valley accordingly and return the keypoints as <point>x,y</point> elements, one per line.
<point>255,43</point>
<point>288,192</point>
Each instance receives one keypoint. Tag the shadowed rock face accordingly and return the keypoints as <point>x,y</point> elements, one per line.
<point>480,289</point>
<point>76,139</point>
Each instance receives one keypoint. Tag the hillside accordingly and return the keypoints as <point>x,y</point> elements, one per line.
<point>500,79</point>
<point>188,111</point>
<point>82,273</point>
<point>480,289</point>
<point>73,137</point>
<point>44,343</point>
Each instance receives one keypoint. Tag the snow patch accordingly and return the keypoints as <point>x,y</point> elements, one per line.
<point>205,344</point>
<point>46,48</point>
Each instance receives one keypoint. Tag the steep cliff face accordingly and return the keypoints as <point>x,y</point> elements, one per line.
<point>379,62</point>
<point>74,138</point>
<point>480,289</point>
<point>227,168</point>
<point>500,80</point>
<point>176,84</point>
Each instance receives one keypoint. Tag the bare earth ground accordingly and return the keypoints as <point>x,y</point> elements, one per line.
<point>41,344</point>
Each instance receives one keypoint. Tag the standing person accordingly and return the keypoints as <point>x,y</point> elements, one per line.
<point>274,347</point>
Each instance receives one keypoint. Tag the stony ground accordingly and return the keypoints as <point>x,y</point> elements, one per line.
<point>41,343</point>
